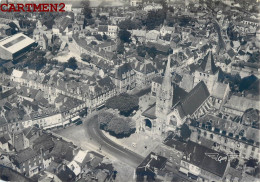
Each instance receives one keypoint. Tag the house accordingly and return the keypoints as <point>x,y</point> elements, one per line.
<point>145,72</point>
<point>42,36</point>
<point>78,20</point>
<point>68,7</point>
<point>202,163</point>
<point>26,162</point>
<point>3,125</point>
<point>44,145</point>
<point>109,30</point>
<point>152,7</point>
<point>107,46</point>
<point>138,36</point>
<point>45,119</point>
<point>5,142</point>
<point>152,36</point>
<point>136,3</point>
<point>167,30</point>
<point>101,91</point>
<point>78,162</point>
<point>151,167</point>
<point>27,93</point>
<point>58,172</point>
<point>5,30</point>
<point>220,94</point>
<point>238,105</point>
<point>29,135</point>
<point>156,84</point>
<point>62,151</point>
<point>124,77</point>
<point>250,21</point>
<point>225,135</point>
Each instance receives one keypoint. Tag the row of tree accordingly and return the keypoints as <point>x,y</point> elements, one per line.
<point>116,126</point>
<point>124,102</point>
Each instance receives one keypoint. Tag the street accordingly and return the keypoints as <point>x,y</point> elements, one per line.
<point>108,146</point>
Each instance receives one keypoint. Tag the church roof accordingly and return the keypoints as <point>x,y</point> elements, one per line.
<point>208,64</point>
<point>150,112</point>
<point>193,100</point>
<point>178,94</point>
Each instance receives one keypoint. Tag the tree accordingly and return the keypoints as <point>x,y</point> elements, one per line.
<point>117,126</point>
<point>72,63</point>
<point>124,102</point>
<point>98,37</point>
<point>120,48</point>
<point>49,23</point>
<point>93,43</point>
<point>141,51</point>
<point>124,36</point>
<point>14,28</point>
<point>234,163</point>
<point>85,57</point>
<point>104,37</point>
<point>152,52</point>
<point>103,18</point>
<point>155,18</point>
<point>129,24</point>
<point>104,118</point>
<point>86,9</point>
<point>251,162</point>
<point>246,82</point>
<point>185,131</point>
<point>167,37</point>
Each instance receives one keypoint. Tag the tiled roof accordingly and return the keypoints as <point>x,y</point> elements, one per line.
<point>125,68</point>
<point>43,142</point>
<point>103,28</point>
<point>201,156</point>
<point>7,93</point>
<point>151,162</point>
<point>193,100</point>
<point>24,155</point>
<point>208,64</point>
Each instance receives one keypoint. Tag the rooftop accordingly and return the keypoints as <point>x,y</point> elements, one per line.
<point>16,42</point>
<point>205,158</point>
<point>193,100</point>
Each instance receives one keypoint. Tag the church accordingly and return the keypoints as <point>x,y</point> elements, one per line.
<point>174,105</point>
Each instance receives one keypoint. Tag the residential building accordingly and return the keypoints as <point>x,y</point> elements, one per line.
<point>109,30</point>
<point>124,77</point>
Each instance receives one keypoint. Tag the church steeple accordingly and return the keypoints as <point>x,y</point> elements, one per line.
<point>165,94</point>
<point>166,84</point>
<point>208,64</point>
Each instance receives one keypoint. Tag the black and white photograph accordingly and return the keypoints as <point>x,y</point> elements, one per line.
<point>129,90</point>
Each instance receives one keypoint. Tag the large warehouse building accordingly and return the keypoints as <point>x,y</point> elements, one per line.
<point>13,46</point>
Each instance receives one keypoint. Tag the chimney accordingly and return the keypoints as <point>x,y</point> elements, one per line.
<point>188,157</point>
<point>73,152</point>
<point>155,170</point>
<point>63,167</point>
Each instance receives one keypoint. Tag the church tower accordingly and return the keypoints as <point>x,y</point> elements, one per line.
<point>164,99</point>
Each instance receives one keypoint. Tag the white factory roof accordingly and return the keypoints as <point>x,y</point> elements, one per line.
<point>16,42</point>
